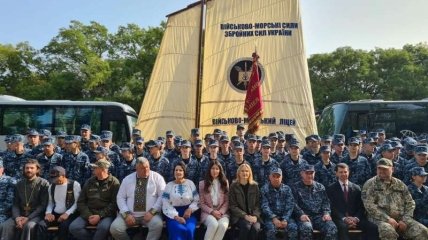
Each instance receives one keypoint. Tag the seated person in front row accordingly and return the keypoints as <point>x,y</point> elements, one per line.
<point>390,206</point>
<point>96,204</point>
<point>420,194</point>
<point>347,207</point>
<point>140,202</point>
<point>312,206</point>
<point>61,210</point>
<point>277,208</point>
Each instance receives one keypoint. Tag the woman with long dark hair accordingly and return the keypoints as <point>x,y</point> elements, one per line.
<point>180,200</point>
<point>214,201</point>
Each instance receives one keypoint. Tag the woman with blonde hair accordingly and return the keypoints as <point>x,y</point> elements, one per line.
<point>214,201</point>
<point>244,203</point>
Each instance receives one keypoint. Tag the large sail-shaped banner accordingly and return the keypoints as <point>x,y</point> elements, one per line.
<point>170,99</point>
<point>234,30</point>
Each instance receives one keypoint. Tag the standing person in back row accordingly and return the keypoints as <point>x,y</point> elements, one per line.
<point>390,206</point>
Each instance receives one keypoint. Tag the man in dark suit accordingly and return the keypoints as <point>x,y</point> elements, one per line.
<point>347,207</point>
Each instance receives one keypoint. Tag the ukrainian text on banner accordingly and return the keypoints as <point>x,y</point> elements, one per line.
<point>170,99</point>
<point>234,28</point>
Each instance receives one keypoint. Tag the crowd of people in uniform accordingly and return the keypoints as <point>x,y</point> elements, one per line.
<point>264,187</point>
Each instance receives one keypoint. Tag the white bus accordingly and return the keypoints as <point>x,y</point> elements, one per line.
<point>17,116</point>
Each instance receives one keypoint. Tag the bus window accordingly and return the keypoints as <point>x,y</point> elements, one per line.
<point>119,130</point>
<point>70,119</point>
<point>19,120</point>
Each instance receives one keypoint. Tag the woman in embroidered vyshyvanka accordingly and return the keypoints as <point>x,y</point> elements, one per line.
<point>180,200</point>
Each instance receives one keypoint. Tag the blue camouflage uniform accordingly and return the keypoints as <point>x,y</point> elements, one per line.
<point>279,156</point>
<point>251,157</point>
<point>313,201</point>
<point>325,174</point>
<point>336,158</point>
<point>262,170</point>
<point>278,203</point>
<point>311,158</point>
<point>419,149</point>
<point>7,189</point>
<point>204,167</point>
<point>291,169</point>
<point>36,151</point>
<point>231,170</point>
<point>226,158</point>
<point>47,163</point>
<point>125,168</point>
<point>421,200</point>
<point>14,164</point>
<point>77,166</point>
<point>192,169</point>
<point>359,170</point>
<point>161,166</point>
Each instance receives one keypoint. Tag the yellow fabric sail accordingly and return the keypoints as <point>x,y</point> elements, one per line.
<point>170,99</point>
<point>234,30</point>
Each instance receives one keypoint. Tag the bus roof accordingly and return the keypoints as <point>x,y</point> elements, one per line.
<point>125,107</point>
<point>374,101</point>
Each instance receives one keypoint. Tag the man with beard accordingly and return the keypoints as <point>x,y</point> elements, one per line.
<point>31,198</point>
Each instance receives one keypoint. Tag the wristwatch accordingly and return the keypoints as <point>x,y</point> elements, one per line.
<point>125,214</point>
<point>153,211</point>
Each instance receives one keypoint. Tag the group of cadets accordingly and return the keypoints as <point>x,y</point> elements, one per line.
<point>270,157</point>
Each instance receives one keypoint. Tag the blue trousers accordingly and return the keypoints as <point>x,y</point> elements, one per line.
<point>178,231</point>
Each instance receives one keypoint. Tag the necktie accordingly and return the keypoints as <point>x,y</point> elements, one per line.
<point>140,195</point>
<point>345,192</point>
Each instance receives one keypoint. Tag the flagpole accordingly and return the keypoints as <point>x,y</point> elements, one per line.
<point>200,66</point>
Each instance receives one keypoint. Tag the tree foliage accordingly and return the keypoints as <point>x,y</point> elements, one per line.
<point>83,62</point>
<point>87,62</point>
<point>350,74</point>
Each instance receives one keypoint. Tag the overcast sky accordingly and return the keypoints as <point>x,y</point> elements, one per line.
<point>327,24</point>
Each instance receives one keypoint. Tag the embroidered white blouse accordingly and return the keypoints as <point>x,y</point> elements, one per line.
<point>177,195</point>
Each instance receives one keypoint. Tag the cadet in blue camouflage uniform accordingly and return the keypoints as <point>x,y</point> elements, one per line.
<point>277,206</point>
<point>198,151</point>
<point>175,154</point>
<point>339,151</point>
<point>264,164</point>
<point>158,162</point>
<point>312,156</point>
<point>251,152</point>
<point>140,150</point>
<point>169,142</point>
<point>238,160</point>
<point>421,160</point>
<point>94,143</point>
<point>15,161</point>
<point>420,194</point>
<point>359,167</point>
<point>127,162</point>
<point>60,141</point>
<point>33,143</point>
<point>225,154</point>
<point>7,189</point>
<point>273,139</point>
<point>49,158</point>
<point>325,169</point>
<point>312,206</point>
<point>9,145</point>
<point>85,135</point>
<point>292,164</point>
<point>281,152</point>
<point>76,162</point>
<point>388,152</point>
<point>390,206</point>
<point>107,142</point>
<point>409,148</point>
<point>368,151</point>
<point>192,165</point>
<point>212,155</point>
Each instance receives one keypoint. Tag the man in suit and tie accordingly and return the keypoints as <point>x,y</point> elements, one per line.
<point>347,207</point>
